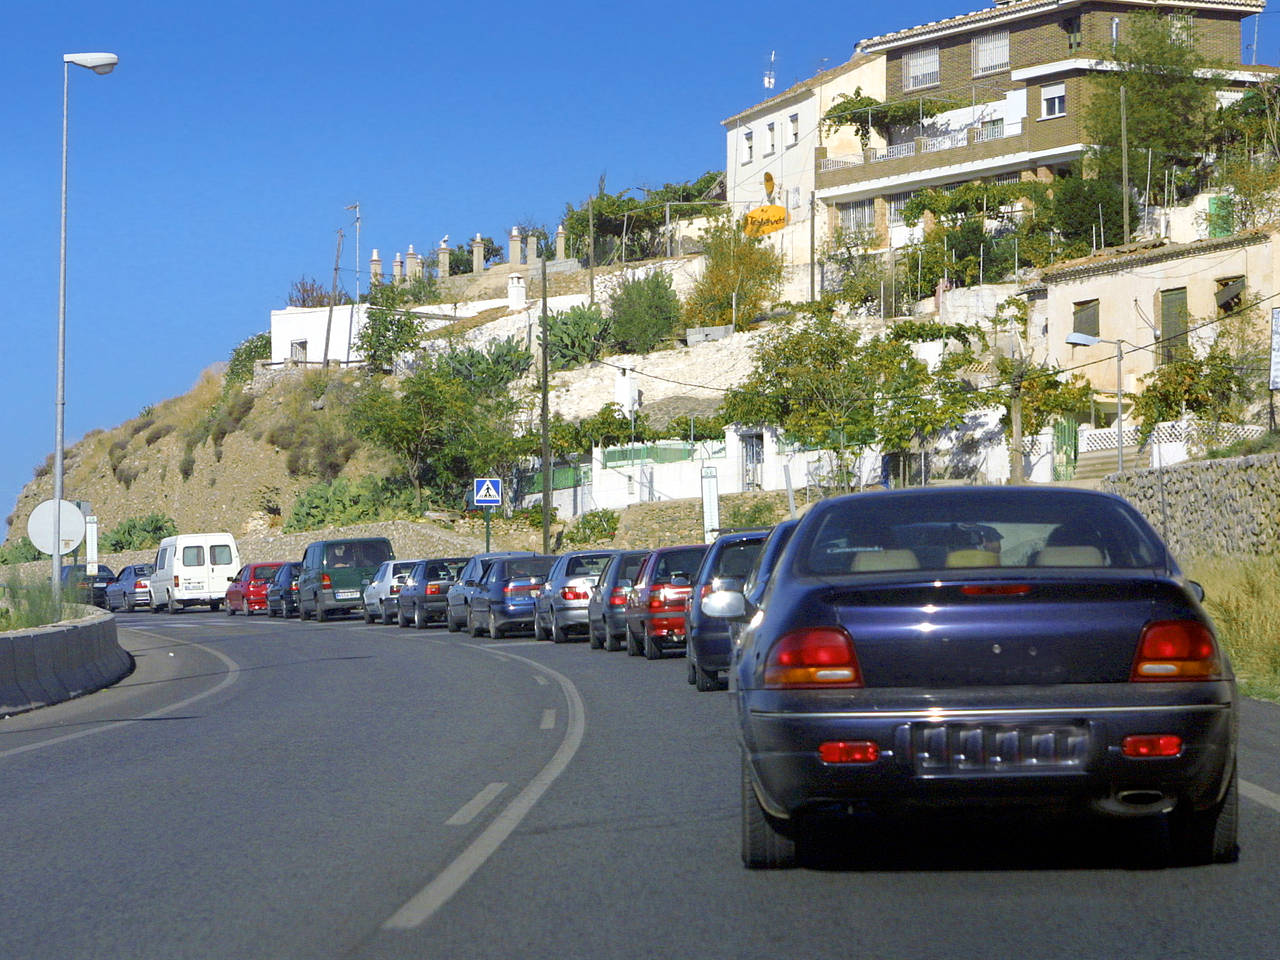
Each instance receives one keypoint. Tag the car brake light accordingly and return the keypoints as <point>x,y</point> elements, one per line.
<point>139,585</point>
<point>849,751</point>
<point>511,588</point>
<point>1177,650</point>
<point>395,588</point>
<point>573,593</point>
<point>618,598</point>
<point>1155,745</point>
<point>325,582</point>
<point>175,579</point>
<point>432,589</point>
<point>813,657</point>
<point>996,589</point>
<point>293,587</point>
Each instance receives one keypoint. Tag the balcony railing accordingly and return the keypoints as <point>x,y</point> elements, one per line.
<point>840,163</point>
<point>956,140</point>
<point>949,141</point>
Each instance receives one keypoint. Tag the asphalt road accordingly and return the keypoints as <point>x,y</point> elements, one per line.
<point>268,789</point>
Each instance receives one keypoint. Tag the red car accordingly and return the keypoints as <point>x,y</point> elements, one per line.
<point>655,608</point>
<point>248,591</point>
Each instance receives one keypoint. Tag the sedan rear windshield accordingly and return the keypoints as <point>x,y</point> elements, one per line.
<point>588,566</point>
<point>528,567</point>
<point>878,532</point>
<point>679,563</point>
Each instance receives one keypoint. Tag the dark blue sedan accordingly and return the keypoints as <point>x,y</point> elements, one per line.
<point>504,598</point>
<point>981,646</point>
<point>725,567</point>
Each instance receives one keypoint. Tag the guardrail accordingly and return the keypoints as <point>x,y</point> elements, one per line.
<point>46,665</point>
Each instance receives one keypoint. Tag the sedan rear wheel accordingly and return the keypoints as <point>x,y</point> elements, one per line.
<point>651,649</point>
<point>557,632</point>
<point>367,613</point>
<point>419,618</point>
<point>597,641</point>
<point>401,619</point>
<point>386,614</point>
<point>707,680</point>
<point>451,624</point>
<point>271,611</point>
<point>473,628</point>
<point>1207,836</point>
<point>764,844</point>
<point>634,648</point>
<point>539,633</point>
<point>611,642</point>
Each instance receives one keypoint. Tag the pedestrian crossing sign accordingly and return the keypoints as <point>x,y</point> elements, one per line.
<point>488,492</point>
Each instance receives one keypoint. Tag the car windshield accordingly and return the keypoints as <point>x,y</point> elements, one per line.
<point>678,563</point>
<point>588,566</point>
<point>265,571</point>
<point>980,529</point>
<point>528,567</point>
<point>440,570</point>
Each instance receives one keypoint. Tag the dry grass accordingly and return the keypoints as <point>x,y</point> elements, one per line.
<point>1240,596</point>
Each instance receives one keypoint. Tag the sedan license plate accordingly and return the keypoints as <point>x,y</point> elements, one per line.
<point>346,594</point>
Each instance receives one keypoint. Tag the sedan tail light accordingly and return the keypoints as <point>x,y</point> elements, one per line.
<point>325,582</point>
<point>432,589</point>
<point>618,598</point>
<point>1153,745</point>
<point>813,657</point>
<point>1177,650</point>
<point>573,593</point>
<point>395,588</point>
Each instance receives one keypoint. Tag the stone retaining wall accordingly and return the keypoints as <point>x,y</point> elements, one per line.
<point>1214,508</point>
<point>47,665</point>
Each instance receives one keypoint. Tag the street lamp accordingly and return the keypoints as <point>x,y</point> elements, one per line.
<point>98,63</point>
<point>1085,340</point>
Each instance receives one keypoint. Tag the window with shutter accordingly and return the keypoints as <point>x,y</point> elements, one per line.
<point>1229,295</point>
<point>1085,318</point>
<point>1173,323</point>
<point>990,52</point>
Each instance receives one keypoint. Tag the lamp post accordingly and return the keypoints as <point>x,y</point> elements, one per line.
<point>98,63</point>
<point>1085,340</point>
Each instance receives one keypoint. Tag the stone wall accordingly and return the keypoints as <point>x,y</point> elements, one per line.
<point>1215,508</point>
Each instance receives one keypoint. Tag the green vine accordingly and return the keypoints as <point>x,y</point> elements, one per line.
<point>865,114</point>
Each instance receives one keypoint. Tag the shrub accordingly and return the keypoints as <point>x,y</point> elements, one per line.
<point>748,513</point>
<point>159,433</point>
<point>140,533</point>
<point>187,465</point>
<point>140,424</point>
<point>341,502</point>
<point>21,550</point>
<point>575,336</point>
<point>44,469</point>
<point>593,527</point>
<point>29,604</point>
<point>116,453</point>
<point>644,312</point>
<point>126,473</point>
<point>243,357</point>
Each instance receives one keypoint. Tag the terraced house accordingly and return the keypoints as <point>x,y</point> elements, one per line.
<point>1010,80</point>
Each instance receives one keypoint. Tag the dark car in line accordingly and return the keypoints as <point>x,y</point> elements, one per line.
<point>282,591</point>
<point>459,596</point>
<point>975,647</point>
<point>247,591</point>
<point>758,578</point>
<point>424,598</point>
<point>560,612</point>
<point>80,586</point>
<point>334,574</point>
<point>607,608</point>
<point>656,603</point>
<point>709,645</point>
<point>504,601</point>
<point>130,589</point>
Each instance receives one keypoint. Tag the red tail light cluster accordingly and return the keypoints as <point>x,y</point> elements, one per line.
<point>431,589</point>
<point>511,588</point>
<point>395,588</point>
<point>1155,745</point>
<point>813,657</point>
<point>1177,650</point>
<point>618,598</point>
<point>849,751</point>
<point>325,582</point>
<point>574,593</point>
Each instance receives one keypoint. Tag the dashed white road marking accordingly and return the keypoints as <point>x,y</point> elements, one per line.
<point>540,680</point>
<point>548,719</point>
<point>449,881</point>
<point>1260,795</point>
<point>471,809</point>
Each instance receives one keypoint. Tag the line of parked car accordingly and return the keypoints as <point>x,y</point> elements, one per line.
<point>918,648</point>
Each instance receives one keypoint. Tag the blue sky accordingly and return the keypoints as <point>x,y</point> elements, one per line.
<point>211,169</point>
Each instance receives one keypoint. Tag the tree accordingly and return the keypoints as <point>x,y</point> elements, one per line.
<point>1210,387</point>
<point>307,292</point>
<point>244,356</point>
<point>460,256</point>
<point>390,328</point>
<point>442,429</point>
<point>825,386</point>
<point>1169,96</point>
<point>140,533</point>
<point>644,311</point>
<point>1077,202</point>
<point>742,276</point>
<point>641,218</point>
<point>576,336</point>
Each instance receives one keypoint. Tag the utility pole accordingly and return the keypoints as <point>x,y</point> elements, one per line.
<point>351,327</point>
<point>546,419</point>
<point>1124,163</point>
<point>813,215</point>
<point>333,295</point>
<point>1015,419</point>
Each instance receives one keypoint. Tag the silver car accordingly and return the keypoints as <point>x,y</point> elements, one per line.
<point>131,589</point>
<point>561,607</point>
<point>382,593</point>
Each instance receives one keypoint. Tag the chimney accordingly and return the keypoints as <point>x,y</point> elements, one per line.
<point>375,266</point>
<point>513,247</point>
<point>477,254</point>
<point>560,238</point>
<point>442,259</point>
<point>516,293</point>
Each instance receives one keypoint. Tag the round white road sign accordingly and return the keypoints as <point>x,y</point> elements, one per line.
<point>71,523</point>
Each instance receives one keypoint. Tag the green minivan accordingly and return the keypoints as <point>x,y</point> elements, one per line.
<point>334,573</point>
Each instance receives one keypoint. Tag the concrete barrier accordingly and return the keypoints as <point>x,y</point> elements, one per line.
<point>47,665</point>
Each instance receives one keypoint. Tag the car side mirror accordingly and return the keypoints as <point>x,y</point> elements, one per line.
<point>1197,590</point>
<point>364,583</point>
<point>727,604</point>
<point>231,579</point>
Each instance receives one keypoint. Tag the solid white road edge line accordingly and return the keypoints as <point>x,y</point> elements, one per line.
<point>436,894</point>
<point>233,673</point>
<point>1251,790</point>
<point>472,807</point>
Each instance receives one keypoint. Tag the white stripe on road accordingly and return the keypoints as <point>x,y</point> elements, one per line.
<point>548,719</point>
<point>436,894</point>
<point>540,680</point>
<point>473,806</point>
<point>1260,795</point>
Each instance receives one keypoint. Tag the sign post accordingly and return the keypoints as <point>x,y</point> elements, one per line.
<point>710,504</point>
<point>486,492</point>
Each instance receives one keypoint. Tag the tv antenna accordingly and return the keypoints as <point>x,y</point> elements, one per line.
<point>769,79</point>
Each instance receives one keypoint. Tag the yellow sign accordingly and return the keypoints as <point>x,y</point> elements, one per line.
<point>768,185</point>
<point>764,220</point>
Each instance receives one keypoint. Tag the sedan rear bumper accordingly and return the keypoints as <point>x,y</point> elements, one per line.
<point>992,755</point>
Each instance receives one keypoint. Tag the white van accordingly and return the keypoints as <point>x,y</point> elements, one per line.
<point>193,568</point>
